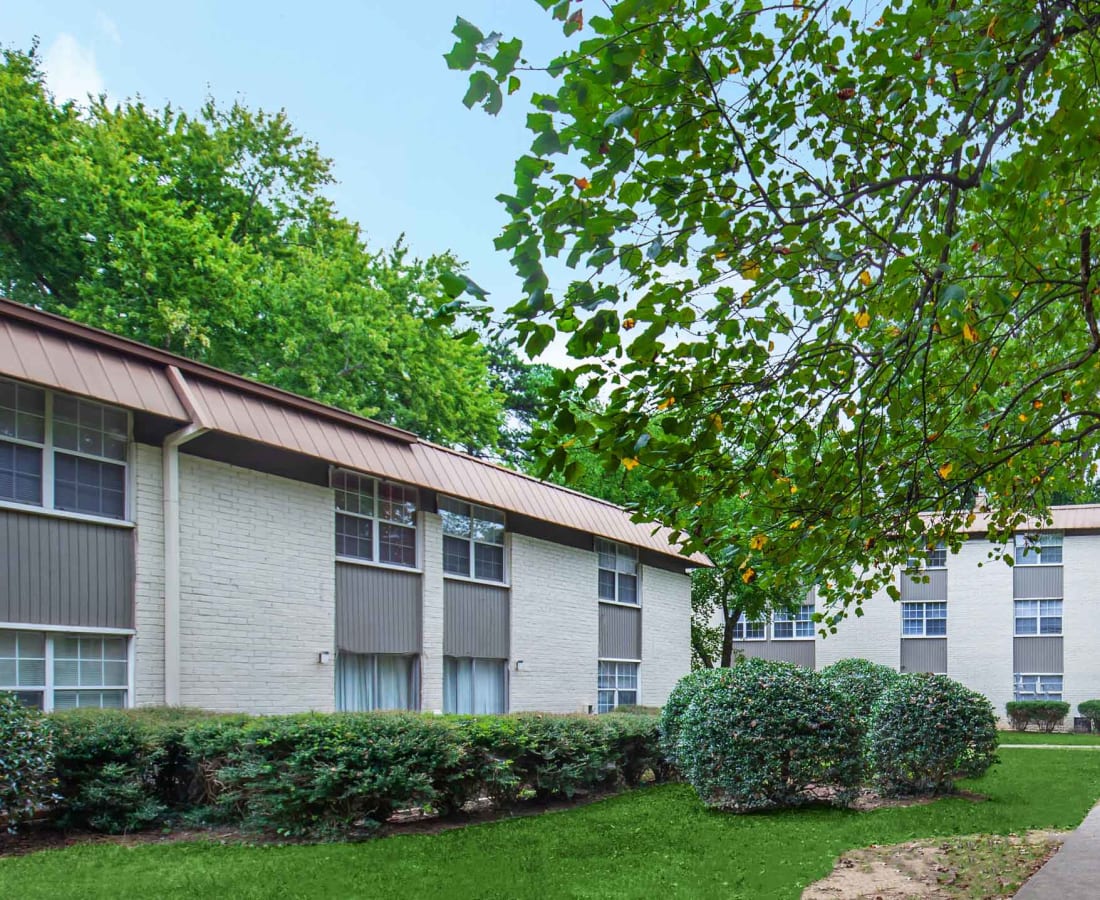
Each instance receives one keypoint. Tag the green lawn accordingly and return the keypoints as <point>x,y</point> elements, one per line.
<point>1035,737</point>
<point>657,842</point>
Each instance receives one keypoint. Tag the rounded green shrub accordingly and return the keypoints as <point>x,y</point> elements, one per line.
<point>926,732</point>
<point>1046,715</point>
<point>1090,709</point>
<point>861,680</point>
<point>676,705</point>
<point>766,734</point>
<point>26,761</point>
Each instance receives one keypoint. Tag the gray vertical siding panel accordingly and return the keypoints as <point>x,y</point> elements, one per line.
<point>802,653</point>
<point>912,588</point>
<point>620,632</point>
<point>1037,582</point>
<point>475,620</point>
<point>377,610</point>
<point>64,572</point>
<point>1037,655</point>
<point>924,655</point>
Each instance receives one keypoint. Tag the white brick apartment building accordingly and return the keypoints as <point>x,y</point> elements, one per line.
<point>174,534</point>
<point>1022,632</point>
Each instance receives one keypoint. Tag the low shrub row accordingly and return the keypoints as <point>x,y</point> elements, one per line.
<point>321,774</point>
<point>1090,710</point>
<point>1045,715</point>
<point>766,734</point>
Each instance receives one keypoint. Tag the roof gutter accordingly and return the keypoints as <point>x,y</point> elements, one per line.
<point>171,510</point>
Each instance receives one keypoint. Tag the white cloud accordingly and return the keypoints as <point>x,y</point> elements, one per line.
<point>71,71</point>
<point>108,27</point>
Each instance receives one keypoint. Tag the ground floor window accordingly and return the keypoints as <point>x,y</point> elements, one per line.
<point>1038,687</point>
<point>65,671</point>
<point>473,686</point>
<point>369,681</point>
<point>617,683</point>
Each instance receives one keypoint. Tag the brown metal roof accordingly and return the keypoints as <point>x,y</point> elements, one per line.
<point>58,353</point>
<point>1078,517</point>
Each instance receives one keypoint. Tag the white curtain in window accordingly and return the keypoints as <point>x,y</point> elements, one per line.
<point>354,682</point>
<point>393,682</point>
<point>473,686</point>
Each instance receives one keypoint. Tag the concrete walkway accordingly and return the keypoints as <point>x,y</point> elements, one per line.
<point>1073,873</point>
<point>1049,747</point>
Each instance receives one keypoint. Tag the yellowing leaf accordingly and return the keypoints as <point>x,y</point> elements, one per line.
<point>583,183</point>
<point>1023,417</point>
<point>794,489</point>
<point>748,575</point>
<point>1037,404</point>
<point>716,421</point>
<point>863,319</point>
<point>629,323</point>
<point>795,525</point>
<point>735,70</point>
<point>758,541</point>
<point>666,403</point>
<point>946,469</point>
<point>629,463</point>
<point>721,254</point>
<point>989,31</point>
<point>865,278</point>
<point>750,269</point>
<point>970,333</point>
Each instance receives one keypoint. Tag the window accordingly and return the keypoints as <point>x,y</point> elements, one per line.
<point>617,685</point>
<point>1038,687</point>
<point>786,627</point>
<point>473,686</point>
<point>367,682</point>
<point>1039,549</point>
<point>618,572</point>
<point>61,452</point>
<point>748,631</point>
<point>1038,617</point>
<point>473,540</point>
<point>375,520</point>
<point>64,671</point>
<point>933,558</point>
<point>924,619</point>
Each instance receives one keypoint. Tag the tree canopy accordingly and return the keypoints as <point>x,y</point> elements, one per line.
<point>836,262</point>
<point>210,235</point>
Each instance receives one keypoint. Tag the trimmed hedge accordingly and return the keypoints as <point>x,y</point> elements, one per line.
<point>26,762</point>
<point>761,734</point>
<point>926,732</point>
<point>1090,709</point>
<point>328,774</point>
<point>861,680</point>
<point>676,705</point>
<point>1045,715</point>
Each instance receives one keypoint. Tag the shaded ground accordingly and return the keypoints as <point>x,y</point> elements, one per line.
<point>973,867</point>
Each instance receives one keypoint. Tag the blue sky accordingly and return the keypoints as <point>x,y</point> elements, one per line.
<point>366,81</point>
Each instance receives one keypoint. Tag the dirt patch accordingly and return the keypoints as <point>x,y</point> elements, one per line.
<point>974,867</point>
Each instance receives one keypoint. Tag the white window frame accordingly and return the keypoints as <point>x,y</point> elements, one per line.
<point>637,663</point>
<point>1018,677</point>
<point>49,451</point>
<point>1023,541</point>
<point>52,633</point>
<point>505,545</point>
<point>741,629</point>
<point>629,552</point>
<point>802,621</point>
<point>924,604</point>
<point>924,561</point>
<point>377,521</point>
<point>1038,617</point>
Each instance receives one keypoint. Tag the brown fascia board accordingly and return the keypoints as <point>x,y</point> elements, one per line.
<point>98,337</point>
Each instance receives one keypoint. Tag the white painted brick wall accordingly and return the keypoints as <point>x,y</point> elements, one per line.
<point>1081,619</point>
<point>257,590</point>
<point>555,626</point>
<point>666,633</point>
<point>431,657</point>
<point>875,635</point>
<point>147,509</point>
<point>980,622</point>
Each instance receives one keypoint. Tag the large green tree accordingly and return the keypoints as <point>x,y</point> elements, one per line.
<point>211,235</point>
<point>837,262</point>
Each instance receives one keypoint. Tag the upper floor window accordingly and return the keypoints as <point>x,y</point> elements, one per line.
<point>748,631</point>
<point>1039,549</point>
<point>1038,616</point>
<point>375,520</point>
<point>933,558</point>
<point>473,540</point>
<point>62,452</point>
<point>924,619</point>
<point>786,626</point>
<point>618,572</point>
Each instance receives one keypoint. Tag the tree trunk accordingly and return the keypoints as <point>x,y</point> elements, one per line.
<point>730,619</point>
